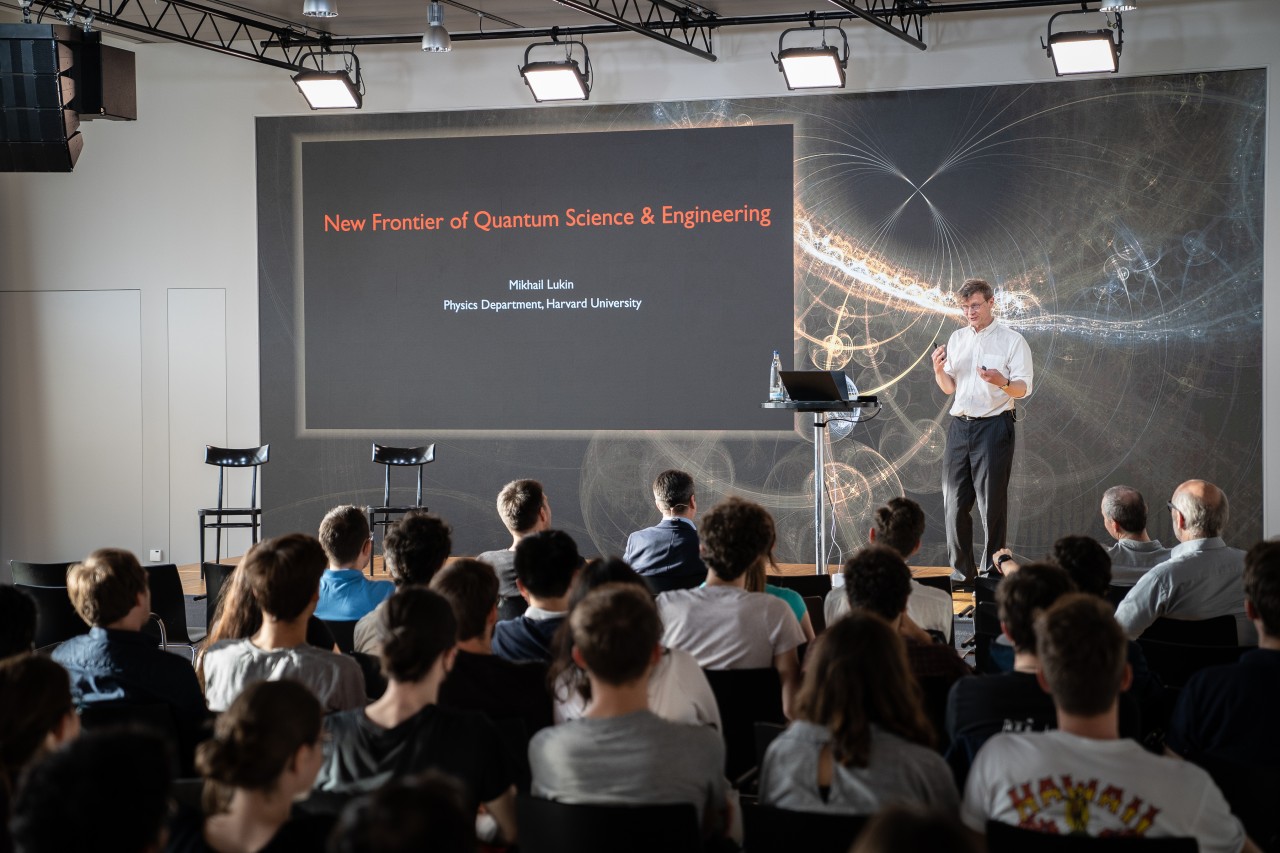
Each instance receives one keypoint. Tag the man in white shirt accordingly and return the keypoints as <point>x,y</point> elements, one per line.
<point>1124,515</point>
<point>987,366</point>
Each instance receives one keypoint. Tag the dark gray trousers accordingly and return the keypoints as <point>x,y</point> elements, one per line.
<point>978,462</point>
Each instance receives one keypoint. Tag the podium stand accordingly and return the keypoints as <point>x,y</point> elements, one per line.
<point>821,409</point>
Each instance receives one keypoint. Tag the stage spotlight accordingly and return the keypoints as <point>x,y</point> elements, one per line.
<point>436,38</point>
<point>1085,51</point>
<point>331,89</point>
<point>319,8</point>
<point>558,80</point>
<point>820,67</point>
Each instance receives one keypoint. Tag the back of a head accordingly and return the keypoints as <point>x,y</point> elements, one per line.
<point>672,491</point>
<point>284,574</point>
<point>256,737</point>
<point>1125,506</point>
<point>600,571</point>
<point>408,815</point>
<point>1083,652</point>
<point>735,534</point>
<point>519,504</point>
<point>471,588</point>
<point>1262,583</point>
<point>420,628</point>
<point>877,579</point>
<point>856,675</point>
<point>1204,508</point>
<point>35,696</point>
<point>898,829</point>
<point>545,562</point>
<point>900,525</point>
<point>106,586</point>
<point>1086,561</point>
<point>343,533</point>
<point>107,791</point>
<point>616,629</point>
<point>1023,594</point>
<point>416,547</point>
<point>17,621</point>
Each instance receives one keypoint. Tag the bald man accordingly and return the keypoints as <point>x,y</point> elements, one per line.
<point>1202,578</point>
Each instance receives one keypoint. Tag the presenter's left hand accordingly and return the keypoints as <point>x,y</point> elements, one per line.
<point>995,377</point>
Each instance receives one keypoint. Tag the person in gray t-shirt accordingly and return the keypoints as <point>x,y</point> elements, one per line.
<point>620,752</point>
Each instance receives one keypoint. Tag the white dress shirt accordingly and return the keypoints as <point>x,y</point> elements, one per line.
<point>997,347</point>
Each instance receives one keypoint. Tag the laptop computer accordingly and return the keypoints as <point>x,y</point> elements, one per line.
<point>814,386</point>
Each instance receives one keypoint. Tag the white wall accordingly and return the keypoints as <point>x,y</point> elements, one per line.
<point>167,203</point>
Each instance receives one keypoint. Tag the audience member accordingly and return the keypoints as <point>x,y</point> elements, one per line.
<point>406,730</point>
<point>1124,515</point>
<point>678,688</point>
<point>620,751</point>
<point>419,813</point>
<point>666,555</point>
<point>1201,578</point>
<point>264,755</point>
<point>524,510</point>
<point>900,525</point>
<point>907,829</point>
<point>284,576</point>
<point>480,680</point>
<point>115,661</point>
<point>345,593</point>
<point>17,622</point>
<point>1222,713</point>
<point>36,717</point>
<point>757,580</point>
<point>413,551</point>
<point>978,708</point>
<point>721,624</point>
<point>1083,778</point>
<point>860,739</point>
<point>107,791</point>
<point>546,563</point>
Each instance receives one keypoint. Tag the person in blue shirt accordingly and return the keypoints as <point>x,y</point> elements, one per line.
<point>345,593</point>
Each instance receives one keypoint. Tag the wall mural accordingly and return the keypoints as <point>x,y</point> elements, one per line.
<point>1120,221</point>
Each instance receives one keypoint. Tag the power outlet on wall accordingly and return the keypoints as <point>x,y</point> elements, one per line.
<point>156,555</point>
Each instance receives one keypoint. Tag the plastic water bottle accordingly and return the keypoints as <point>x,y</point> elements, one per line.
<point>775,379</point>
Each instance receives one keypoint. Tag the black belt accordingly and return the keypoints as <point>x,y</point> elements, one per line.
<point>987,418</point>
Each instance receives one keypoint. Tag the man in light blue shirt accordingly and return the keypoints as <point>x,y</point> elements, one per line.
<point>345,593</point>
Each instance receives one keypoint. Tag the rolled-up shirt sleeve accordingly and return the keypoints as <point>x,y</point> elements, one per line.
<point>1020,367</point>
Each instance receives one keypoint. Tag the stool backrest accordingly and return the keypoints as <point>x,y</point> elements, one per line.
<point>237,457</point>
<point>402,457</point>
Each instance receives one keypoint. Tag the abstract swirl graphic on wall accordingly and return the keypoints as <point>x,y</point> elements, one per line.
<point>1120,221</point>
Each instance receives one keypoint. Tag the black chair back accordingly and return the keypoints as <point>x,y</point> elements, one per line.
<point>39,574</point>
<point>1218,631</point>
<point>155,716</point>
<point>168,602</point>
<point>817,616</point>
<point>770,830</point>
<point>1252,792</point>
<point>766,733</point>
<point>1116,594</point>
<point>224,458</point>
<point>1175,663</point>
<point>806,585</point>
<point>375,683</point>
<point>986,623</point>
<point>344,633</point>
<point>215,579</point>
<point>745,697</point>
<point>942,582</point>
<point>551,827</point>
<point>56,618</point>
<point>382,517</point>
<point>1004,838</point>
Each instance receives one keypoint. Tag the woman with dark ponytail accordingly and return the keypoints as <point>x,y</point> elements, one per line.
<point>264,754</point>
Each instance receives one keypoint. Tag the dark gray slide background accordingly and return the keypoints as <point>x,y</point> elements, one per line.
<point>714,299</point>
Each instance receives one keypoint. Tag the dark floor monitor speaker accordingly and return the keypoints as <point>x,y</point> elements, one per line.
<point>39,131</point>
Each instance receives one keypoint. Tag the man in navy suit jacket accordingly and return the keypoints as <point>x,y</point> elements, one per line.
<point>667,553</point>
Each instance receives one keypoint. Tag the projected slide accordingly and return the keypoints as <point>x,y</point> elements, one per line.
<point>583,281</point>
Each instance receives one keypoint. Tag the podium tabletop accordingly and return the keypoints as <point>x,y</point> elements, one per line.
<point>824,405</point>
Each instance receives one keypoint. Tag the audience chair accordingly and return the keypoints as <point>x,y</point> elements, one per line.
<point>1005,838</point>
<point>189,793</point>
<point>942,582</point>
<point>375,683</point>
<point>56,619</point>
<point>550,827</point>
<point>745,697</point>
<point>770,830</point>
<point>986,623</point>
<point>319,635</point>
<point>766,733</point>
<point>401,457</point>
<point>170,605</point>
<point>806,585</point>
<point>251,515</point>
<point>215,577</point>
<point>817,616</point>
<point>39,574</point>
<point>1218,631</point>
<point>515,740</point>
<point>1116,594</point>
<point>156,716</point>
<point>1251,791</point>
<point>1175,663</point>
<point>344,634</point>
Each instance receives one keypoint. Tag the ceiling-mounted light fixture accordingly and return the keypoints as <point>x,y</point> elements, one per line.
<point>819,67</point>
<point>331,89</point>
<point>319,8</point>
<point>436,38</point>
<point>558,80</point>
<point>1085,51</point>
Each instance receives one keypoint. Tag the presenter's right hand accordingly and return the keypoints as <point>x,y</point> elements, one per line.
<point>939,359</point>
